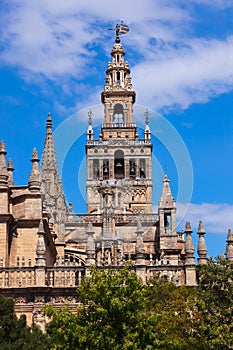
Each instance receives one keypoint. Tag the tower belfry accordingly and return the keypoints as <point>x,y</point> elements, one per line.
<point>119,162</point>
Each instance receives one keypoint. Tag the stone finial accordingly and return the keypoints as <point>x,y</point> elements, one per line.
<point>40,248</point>
<point>10,170</point>
<point>189,247</point>
<point>147,132</point>
<point>229,246</point>
<point>90,113</point>
<point>70,207</point>
<point>188,227</point>
<point>147,113</point>
<point>90,132</point>
<point>34,178</point>
<point>201,248</point>
<point>49,124</point>
<point>3,169</point>
<point>201,229</point>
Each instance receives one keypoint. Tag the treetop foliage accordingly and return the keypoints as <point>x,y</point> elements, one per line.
<point>118,312</point>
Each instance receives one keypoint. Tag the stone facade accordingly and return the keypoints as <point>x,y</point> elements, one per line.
<point>45,249</point>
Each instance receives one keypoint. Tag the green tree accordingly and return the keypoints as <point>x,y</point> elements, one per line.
<point>119,312</point>
<point>215,303</point>
<point>14,332</point>
<point>111,307</point>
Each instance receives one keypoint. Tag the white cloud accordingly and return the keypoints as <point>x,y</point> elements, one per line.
<point>192,74</point>
<point>172,68</point>
<point>217,218</point>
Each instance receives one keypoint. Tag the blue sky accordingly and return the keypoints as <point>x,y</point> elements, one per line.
<point>53,59</point>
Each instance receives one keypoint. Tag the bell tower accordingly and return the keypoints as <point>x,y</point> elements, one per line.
<point>118,96</point>
<point>119,162</point>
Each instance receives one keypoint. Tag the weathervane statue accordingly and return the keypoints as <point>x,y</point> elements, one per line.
<point>120,29</point>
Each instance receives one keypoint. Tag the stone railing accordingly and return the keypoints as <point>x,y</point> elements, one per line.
<point>120,141</point>
<point>57,276</point>
<point>15,277</point>
<point>71,276</point>
<point>119,218</point>
<point>66,276</point>
<point>119,125</point>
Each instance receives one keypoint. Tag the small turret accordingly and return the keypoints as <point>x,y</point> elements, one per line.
<point>201,249</point>
<point>167,209</point>
<point>229,246</point>
<point>10,170</point>
<point>3,169</point>
<point>34,183</point>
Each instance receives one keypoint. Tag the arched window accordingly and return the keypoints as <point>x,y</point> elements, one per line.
<point>132,169</point>
<point>118,113</point>
<point>119,166</point>
<point>96,169</point>
<point>118,77</point>
<point>105,169</point>
<point>142,169</point>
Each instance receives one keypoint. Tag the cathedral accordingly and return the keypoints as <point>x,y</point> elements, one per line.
<point>46,249</point>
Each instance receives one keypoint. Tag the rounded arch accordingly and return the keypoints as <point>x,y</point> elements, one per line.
<point>119,164</point>
<point>118,113</point>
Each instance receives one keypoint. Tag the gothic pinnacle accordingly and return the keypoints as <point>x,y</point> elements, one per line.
<point>201,249</point>
<point>189,248</point>
<point>3,169</point>
<point>10,169</point>
<point>34,178</point>
<point>166,199</point>
<point>49,122</point>
<point>229,246</point>
<point>40,248</point>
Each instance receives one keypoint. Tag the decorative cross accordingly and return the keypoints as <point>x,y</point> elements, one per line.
<point>147,113</point>
<point>90,114</point>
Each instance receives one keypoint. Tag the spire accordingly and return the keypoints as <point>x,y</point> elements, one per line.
<point>166,199</point>
<point>10,169</point>
<point>54,201</point>
<point>229,246</point>
<point>201,249</point>
<point>167,209</point>
<point>40,248</point>
<point>49,162</point>
<point>3,169</point>
<point>34,183</point>
<point>189,248</point>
